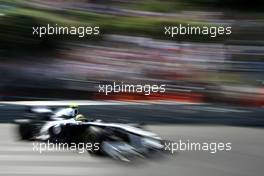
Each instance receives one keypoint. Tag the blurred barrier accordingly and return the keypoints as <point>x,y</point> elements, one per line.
<point>132,48</point>
<point>177,97</point>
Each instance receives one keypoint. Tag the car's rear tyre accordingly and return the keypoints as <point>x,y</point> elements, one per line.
<point>25,131</point>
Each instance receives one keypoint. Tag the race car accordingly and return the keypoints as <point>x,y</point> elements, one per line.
<point>119,141</point>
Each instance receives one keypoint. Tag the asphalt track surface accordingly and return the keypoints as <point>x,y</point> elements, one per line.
<point>245,158</point>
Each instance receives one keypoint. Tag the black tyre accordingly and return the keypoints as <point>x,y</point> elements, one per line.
<point>25,131</point>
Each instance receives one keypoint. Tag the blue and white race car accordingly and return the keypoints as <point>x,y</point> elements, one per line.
<point>119,141</point>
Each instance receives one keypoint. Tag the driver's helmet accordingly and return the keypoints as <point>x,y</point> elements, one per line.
<point>81,118</point>
<point>74,106</point>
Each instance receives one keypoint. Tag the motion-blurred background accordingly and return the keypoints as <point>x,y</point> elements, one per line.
<point>132,48</point>
<point>209,81</point>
